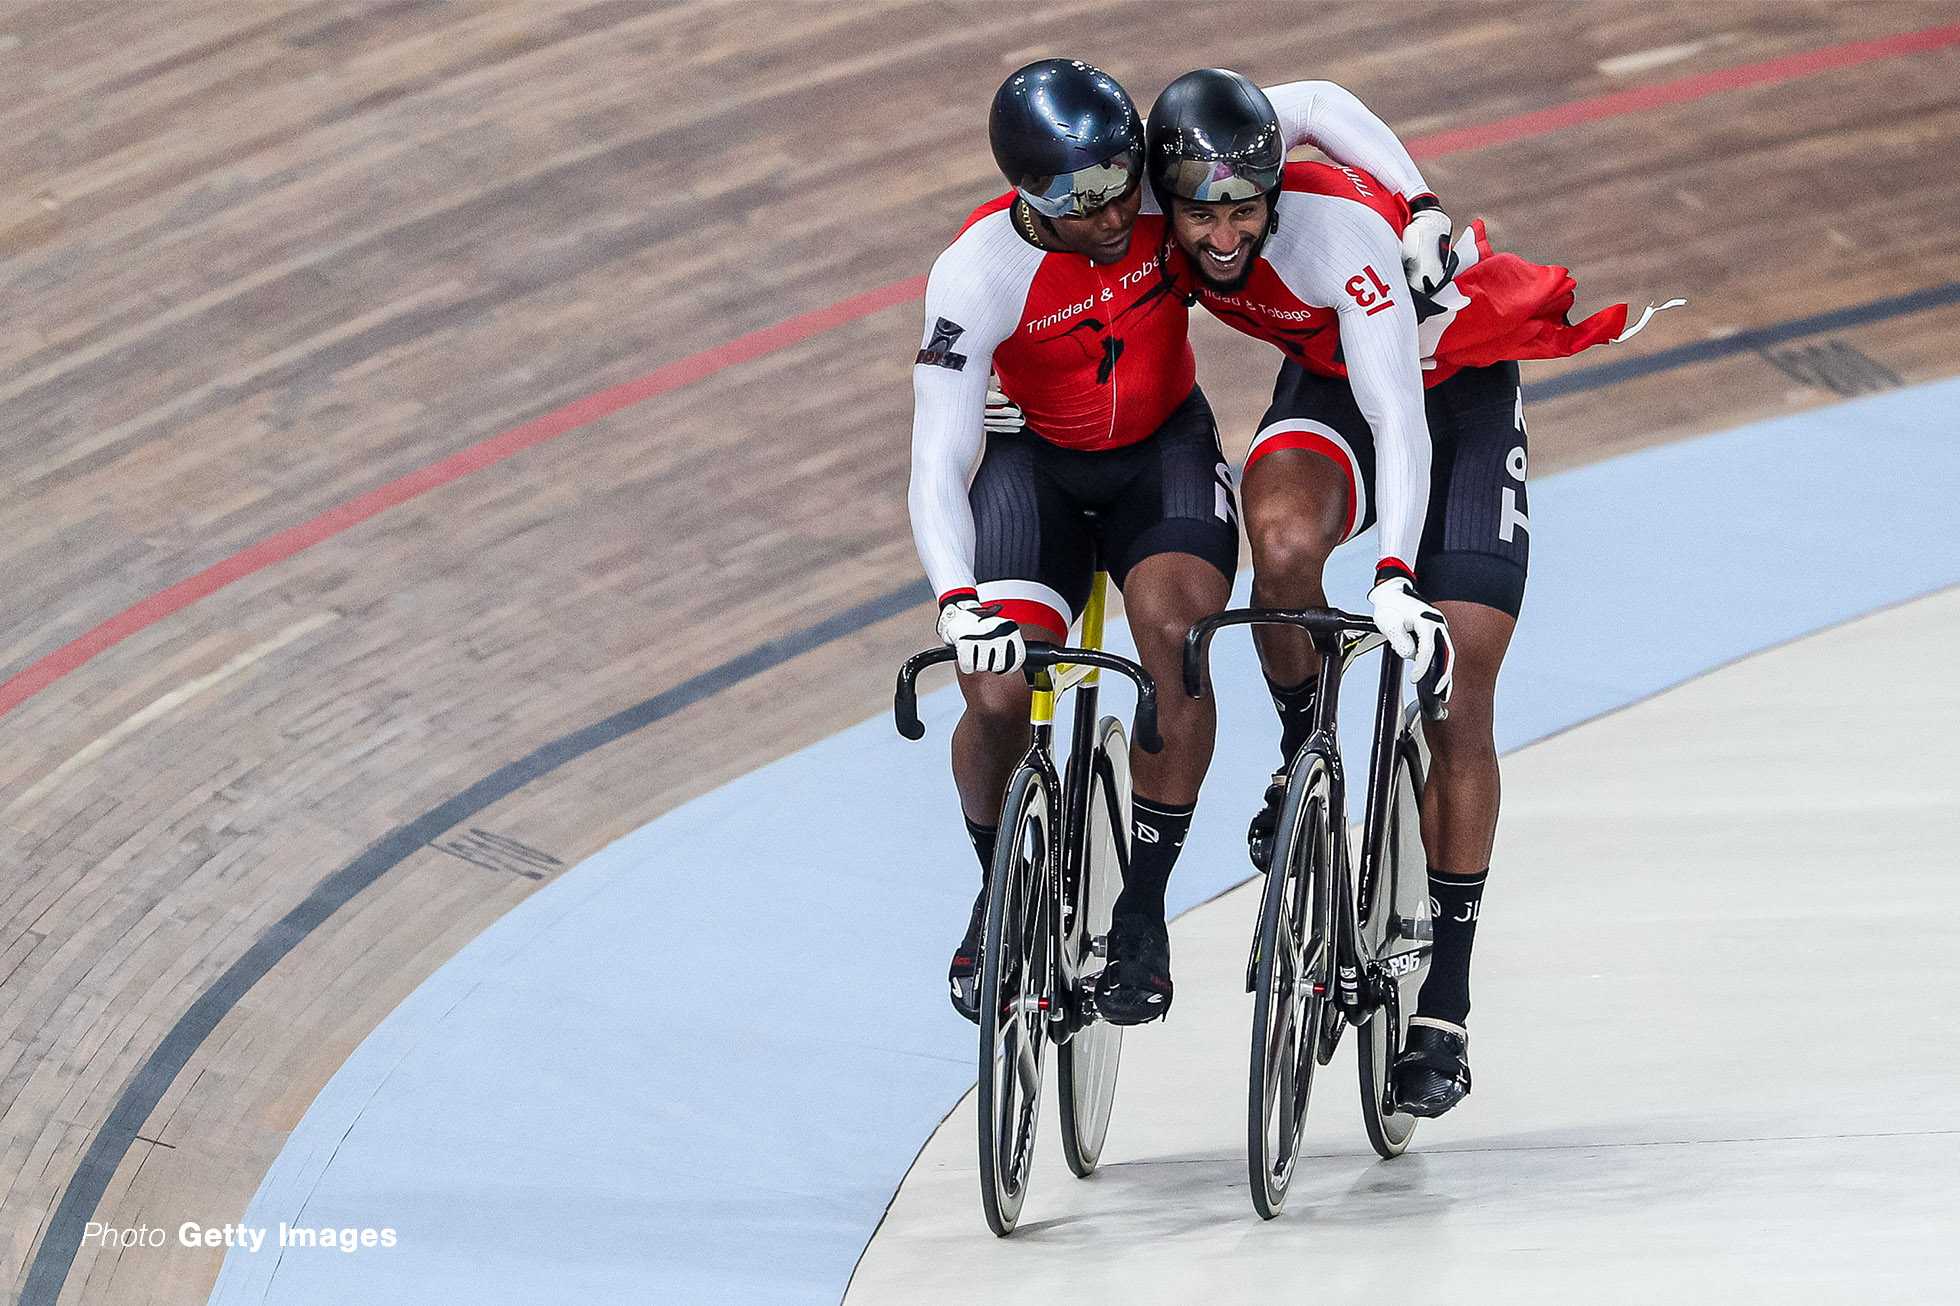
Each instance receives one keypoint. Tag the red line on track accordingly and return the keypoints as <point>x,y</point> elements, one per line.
<point>697,367</point>
<point>583,412</point>
<point>1686,88</point>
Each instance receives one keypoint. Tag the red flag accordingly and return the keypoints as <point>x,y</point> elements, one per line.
<point>1502,307</point>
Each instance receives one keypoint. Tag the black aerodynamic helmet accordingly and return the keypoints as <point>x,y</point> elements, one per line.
<point>1214,137</point>
<point>1067,136</point>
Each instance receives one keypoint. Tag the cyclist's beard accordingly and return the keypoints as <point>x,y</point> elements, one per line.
<point>1216,286</point>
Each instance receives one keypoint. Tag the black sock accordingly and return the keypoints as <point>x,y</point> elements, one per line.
<point>1453,904</point>
<point>1295,713</point>
<point>983,837</point>
<point>1156,837</point>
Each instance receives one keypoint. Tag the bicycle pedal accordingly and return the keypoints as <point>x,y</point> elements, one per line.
<point>1099,945</point>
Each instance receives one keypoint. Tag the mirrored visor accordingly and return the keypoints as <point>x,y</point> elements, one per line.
<point>1213,181</point>
<point>1083,191</point>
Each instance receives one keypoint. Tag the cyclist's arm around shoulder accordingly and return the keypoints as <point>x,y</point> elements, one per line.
<point>1334,121</point>
<point>1342,254</point>
<point>971,306</point>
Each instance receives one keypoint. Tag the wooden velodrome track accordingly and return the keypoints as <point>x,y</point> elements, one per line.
<point>260,259</point>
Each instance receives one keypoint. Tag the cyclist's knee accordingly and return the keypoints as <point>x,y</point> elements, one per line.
<point>1160,632</point>
<point>1291,549</point>
<point>1481,636</point>
<point>996,701</point>
<point>1166,594</point>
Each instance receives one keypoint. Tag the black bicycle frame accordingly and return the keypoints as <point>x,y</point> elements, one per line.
<point>1069,800</point>
<point>1339,637</point>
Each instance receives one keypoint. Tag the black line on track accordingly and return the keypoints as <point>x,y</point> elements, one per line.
<point>63,1239</point>
<point>59,1246</point>
<point>1582,379</point>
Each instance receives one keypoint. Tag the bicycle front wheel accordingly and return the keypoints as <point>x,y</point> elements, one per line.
<point>1016,979</point>
<point>1086,1064</point>
<point>1395,936</point>
<point>1293,974</point>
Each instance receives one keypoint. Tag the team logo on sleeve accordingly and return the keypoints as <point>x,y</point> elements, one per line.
<point>939,350</point>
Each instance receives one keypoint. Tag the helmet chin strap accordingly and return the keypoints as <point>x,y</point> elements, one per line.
<point>1029,215</point>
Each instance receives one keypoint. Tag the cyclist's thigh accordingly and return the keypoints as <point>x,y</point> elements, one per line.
<point>1174,495</point>
<point>1476,540</point>
<point>1033,548</point>
<point>1311,416</point>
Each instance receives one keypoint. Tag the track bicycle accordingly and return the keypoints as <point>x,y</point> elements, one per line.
<point>1058,866</point>
<point>1342,939</point>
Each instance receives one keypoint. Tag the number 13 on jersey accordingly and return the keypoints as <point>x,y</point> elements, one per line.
<point>1374,300</point>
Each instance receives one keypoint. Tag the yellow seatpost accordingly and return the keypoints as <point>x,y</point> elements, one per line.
<point>1092,618</point>
<point>1066,676</point>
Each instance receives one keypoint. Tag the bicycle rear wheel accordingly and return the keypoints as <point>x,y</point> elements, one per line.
<point>1395,933</point>
<point>1016,978</point>
<point>1294,972</point>
<point>1086,1064</point>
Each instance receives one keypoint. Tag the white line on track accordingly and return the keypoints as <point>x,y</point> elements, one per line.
<point>162,707</point>
<point>1640,61</point>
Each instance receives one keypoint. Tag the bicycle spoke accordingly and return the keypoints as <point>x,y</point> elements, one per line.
<point>1027,1061</point>
<point>1288,1114</point>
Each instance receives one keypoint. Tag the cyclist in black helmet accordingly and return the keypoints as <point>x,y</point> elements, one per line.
<point>1382,411</point>
<point>1101,453</point>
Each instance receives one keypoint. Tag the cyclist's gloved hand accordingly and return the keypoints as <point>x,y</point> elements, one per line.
<point>1427,259</point>
<point>1415,630</point>
<point>984,640</point>
<point>1003,415</point>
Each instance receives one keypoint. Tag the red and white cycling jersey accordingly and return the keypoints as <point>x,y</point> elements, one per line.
<point>1499,308</point>
<point>1328,290</point>
<point>1095,356</point>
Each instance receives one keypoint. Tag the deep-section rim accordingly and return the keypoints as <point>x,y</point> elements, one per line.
<point>1389,1132</point>
<point>1016,885</point>
<point>1097,1046</point>
<point>1299,894</point>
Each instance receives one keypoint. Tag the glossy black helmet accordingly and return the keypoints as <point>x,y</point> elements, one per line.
<point>1067,136</point>
<point>1214,137</point>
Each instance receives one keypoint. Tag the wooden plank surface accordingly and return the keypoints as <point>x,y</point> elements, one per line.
<point>260,258</point>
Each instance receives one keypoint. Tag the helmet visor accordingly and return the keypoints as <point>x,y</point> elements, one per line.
<point>1213,181</point>
<point>1085,190</point>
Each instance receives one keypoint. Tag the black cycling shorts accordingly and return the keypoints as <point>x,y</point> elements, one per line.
<point>1476,540</point>
<point>1047,518</point>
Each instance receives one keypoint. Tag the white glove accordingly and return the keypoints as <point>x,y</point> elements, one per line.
<point>1427,259</point>
<point>984,640</point>
<point>1416,631</point>
<point>1003,416</point>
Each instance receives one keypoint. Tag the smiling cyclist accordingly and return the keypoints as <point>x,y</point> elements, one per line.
<point>1395,403</point>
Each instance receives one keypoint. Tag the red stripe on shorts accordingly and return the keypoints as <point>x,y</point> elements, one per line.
<point>1320,444</point>
<point>1032,613</point>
